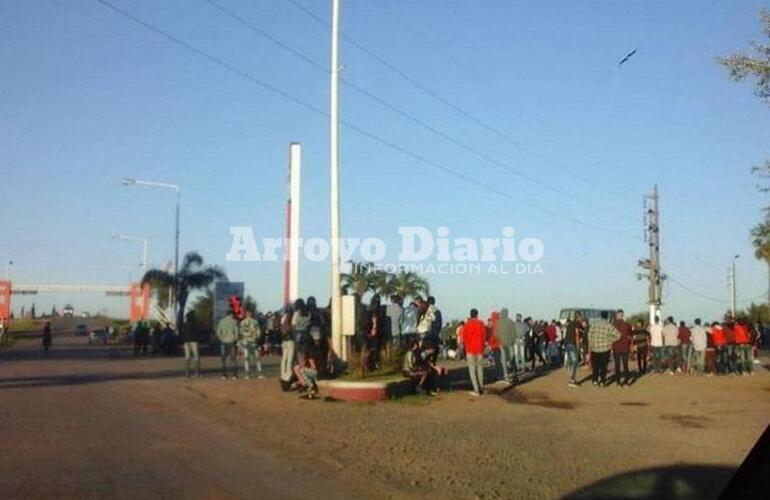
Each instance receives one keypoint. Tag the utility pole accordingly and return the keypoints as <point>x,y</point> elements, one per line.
<point>336,297</point>
<point>732,285</point>
<point>652,264</point>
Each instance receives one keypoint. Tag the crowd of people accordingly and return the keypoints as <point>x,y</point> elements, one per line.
<point>514,346</point>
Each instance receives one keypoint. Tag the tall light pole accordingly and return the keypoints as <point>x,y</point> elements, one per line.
<point>336,297</point>
<point>145,245</point>
<point>174,187</point>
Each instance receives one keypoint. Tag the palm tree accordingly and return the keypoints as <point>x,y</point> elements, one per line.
<point>382,282</point>
<point>192,276</point>
<point>359,279</point>
<point>408,284</point>
<point>760,239</point>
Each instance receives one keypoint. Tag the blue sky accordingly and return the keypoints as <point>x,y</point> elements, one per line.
<point>90,97</point>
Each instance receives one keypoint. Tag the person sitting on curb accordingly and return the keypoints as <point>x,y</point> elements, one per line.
<point>307,370</point>
<point>415,368</point>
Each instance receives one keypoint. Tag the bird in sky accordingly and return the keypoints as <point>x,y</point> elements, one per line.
<point>628,56</point>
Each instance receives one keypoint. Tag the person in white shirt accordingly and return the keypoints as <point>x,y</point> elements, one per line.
<point>656,343</point>
<point>699,344</point>
<point>394,312</point>
<point>671,343</point>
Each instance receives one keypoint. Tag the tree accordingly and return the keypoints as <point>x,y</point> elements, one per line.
<point>743,66</point>
<point>409,284</point>
<point>249,304</point>
<point>204,309</point>
<point>360,278</point>
<point>756,66</point>
<point>192,276</point>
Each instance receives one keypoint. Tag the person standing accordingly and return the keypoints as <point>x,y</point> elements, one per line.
<point>192,335</point>
<point>656,343</point>
<point>699,340</point>
<point>671,344</point>
<point>288,346</point>
<point>47,337</point>
<point>506,334</point>
<point>394,312</point>
<point>620,349</point>
<point>522,329</point>
<point>719,340</point>
<point>603,334</point>
<point>409,321</point>
<point>571,349</point>
<point>438,320</point>
<point>425,319</point>
<point>494,345</point>
<point>251,333</point>
<point>743,347</point>
<point>473,340</point>
<point>641,343</point>
<point>227,334</point>
<point>685,346</point>
<point>732,359</point>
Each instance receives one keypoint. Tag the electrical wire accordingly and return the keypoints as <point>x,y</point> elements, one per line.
<point>374,137</point>
<point>395,109</point>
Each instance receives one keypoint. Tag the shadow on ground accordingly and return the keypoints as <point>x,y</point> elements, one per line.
<point>684,482</point>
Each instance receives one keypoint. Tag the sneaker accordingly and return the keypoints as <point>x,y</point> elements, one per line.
<point>572,384</point>
<point>247,377</point>
<point>474,393</point>
<point>260,376</point>
<point>224,377</point>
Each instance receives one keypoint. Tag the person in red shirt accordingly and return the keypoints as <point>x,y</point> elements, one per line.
<point>494,344</point>
<point>743,348</point>
<point>685,346</point>
<point>719,340</point>
<point>473,335</point>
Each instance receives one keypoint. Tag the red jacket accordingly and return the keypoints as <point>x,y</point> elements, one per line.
<point>742,335</point>
<point>718,336</point>
<point>473,336</point>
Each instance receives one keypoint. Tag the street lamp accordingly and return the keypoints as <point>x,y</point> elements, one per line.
<point>145,244</point>
<point>130,181</point>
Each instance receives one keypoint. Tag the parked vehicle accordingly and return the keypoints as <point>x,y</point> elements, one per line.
<point>589,313</point>
<point>81,330</point>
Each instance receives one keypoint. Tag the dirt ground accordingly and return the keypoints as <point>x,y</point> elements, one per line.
<point>667,435</point>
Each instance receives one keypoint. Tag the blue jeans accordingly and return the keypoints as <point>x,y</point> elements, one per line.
<point>658,354</point>
<point>745,354</point>
<point>732,358</point>
<point>722,359</point>
<point>573,360</point>
<point>228,350</point>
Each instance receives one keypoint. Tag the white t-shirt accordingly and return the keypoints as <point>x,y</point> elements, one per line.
<point>699,338</point>
<point>656,335</point>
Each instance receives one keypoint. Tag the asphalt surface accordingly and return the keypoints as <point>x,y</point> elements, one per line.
<point>96,422</point>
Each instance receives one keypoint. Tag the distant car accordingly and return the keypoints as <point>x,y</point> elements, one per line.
<point>85,314</point>
<point>98,335</point>
<point>68,311</point>
<point>81,330</point>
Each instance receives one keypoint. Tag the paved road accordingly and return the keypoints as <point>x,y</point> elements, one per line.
<point>94,422</point>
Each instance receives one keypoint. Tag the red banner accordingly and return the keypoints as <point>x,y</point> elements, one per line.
<point>5,300</point>
<point>140,302</point>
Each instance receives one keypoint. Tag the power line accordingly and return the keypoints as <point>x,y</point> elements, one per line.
<point>267,86</point>
<point>706,297</point>
<point>392,107</point>
<point>468,115</point>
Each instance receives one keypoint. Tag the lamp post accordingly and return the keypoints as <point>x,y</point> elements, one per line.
<point>129,181</point>
<point>145,245</point>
